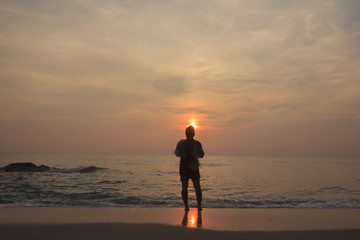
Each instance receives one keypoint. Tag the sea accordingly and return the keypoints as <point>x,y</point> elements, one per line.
<point>102,180</point>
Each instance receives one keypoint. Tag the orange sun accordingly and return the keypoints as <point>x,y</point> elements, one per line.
<point>193,123</point>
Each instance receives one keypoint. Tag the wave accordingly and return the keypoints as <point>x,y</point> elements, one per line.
<point>288,203</point>
<point>89,169</point>
<point>113,199</point>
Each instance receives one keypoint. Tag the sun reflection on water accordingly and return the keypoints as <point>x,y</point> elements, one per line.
<point>191,221</point>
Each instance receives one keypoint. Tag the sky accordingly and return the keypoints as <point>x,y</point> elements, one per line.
<point>264,77</point>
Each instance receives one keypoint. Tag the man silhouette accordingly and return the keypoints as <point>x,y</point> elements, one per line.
<point>189,150</point>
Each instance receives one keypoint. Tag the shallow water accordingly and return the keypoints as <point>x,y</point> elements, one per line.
<point>152,180</point>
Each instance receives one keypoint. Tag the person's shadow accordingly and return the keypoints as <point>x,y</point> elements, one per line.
<point>193,223</point>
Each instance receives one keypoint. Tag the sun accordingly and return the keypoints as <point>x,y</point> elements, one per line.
<point>193,123</point>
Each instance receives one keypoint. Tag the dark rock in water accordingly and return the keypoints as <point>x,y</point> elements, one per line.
<point>25,167</point>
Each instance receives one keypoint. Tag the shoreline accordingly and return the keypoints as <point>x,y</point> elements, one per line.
<point>110,231</point>
<point>220,219</point>
<point>166,223</point>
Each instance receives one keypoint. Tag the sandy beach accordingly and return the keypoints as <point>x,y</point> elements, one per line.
<point>166,223</point>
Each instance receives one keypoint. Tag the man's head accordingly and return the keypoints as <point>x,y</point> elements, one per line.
<point>190,132</point>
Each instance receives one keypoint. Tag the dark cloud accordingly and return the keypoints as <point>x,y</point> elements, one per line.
<point>348,16</point>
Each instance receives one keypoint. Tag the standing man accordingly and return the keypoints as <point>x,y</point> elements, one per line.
<point>189,150</point>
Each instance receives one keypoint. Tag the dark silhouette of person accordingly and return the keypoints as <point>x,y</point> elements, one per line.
<point>189,150</point>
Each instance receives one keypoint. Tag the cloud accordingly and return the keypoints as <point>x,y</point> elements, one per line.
<point>171,86</point>
<point>231,63</point>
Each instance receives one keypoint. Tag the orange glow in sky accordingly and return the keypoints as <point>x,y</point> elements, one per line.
<point>144,82</point>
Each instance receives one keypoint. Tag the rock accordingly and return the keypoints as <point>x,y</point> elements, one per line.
<point>25,167</point>
<point>43,168</point>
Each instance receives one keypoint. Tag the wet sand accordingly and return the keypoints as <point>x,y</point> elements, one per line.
<point>166,223</point>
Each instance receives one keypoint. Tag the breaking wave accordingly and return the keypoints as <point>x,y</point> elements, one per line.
<point>89,169</point>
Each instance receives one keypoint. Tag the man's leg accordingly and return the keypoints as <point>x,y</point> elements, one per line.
<point>185,218</point>
<point>184,193</point>
<point>198,192</point>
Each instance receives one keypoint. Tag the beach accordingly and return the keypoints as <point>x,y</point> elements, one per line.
<point>166,223</point>
<point>138,197</point>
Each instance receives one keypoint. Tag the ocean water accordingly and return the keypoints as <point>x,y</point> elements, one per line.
<point>153,181</point>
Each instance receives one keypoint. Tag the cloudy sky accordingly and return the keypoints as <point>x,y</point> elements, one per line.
<point>264,77</point>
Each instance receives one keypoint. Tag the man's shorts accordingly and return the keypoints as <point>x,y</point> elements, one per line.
<point>186,174</point>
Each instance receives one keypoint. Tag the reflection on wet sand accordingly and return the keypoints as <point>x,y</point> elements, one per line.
<point>189,219</point>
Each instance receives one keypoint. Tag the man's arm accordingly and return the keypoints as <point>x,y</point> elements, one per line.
<point>199,150</point>
<point>179,148</point>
